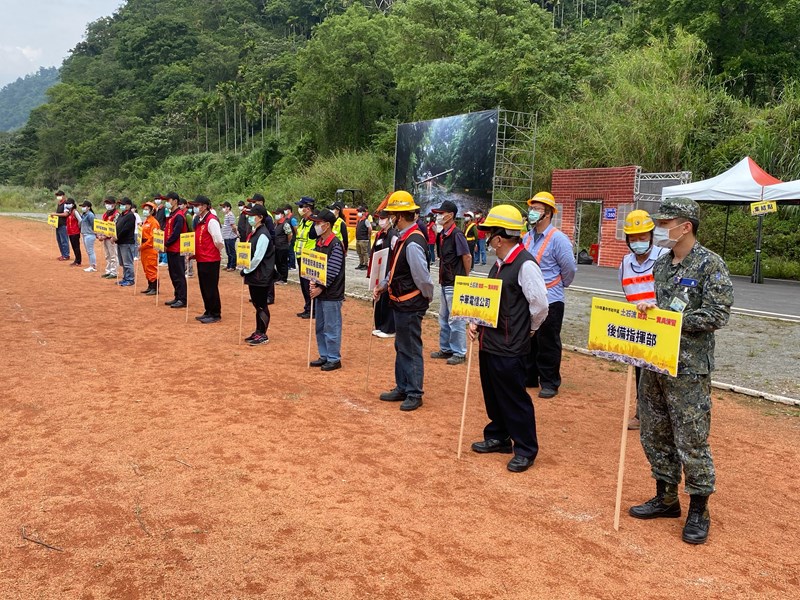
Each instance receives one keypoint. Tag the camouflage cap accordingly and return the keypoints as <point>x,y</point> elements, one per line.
<point>677,208</point>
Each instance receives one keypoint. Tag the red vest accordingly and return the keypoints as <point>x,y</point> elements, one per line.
<point>204,248</point>
<point>176,245</point>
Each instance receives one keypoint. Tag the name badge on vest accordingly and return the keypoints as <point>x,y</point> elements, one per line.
<point>685,282</point>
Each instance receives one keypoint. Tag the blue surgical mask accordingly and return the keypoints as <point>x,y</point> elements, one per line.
<point>146,212</point>
<point>534,216</point>
<point>123,207</point>
<point>252,221</point>
<point>640,247</point>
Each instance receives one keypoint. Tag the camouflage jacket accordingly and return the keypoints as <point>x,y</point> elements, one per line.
<point>701,281</point>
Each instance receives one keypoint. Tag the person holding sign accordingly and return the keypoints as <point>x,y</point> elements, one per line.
<point>176,265</point>
<point>504,349</point>
<point>74,230</point>
<point>147,251</point>
<point>208,244</point>
<point>553,252</point>
<point>636,270</point>
<point>328,297</point>
<point>126,241</point>
<point>385,239</point>
<point>675,412</point>
<point>455,258</point>
<point>61,226</point>
<point>109,246</point>
<point>410,293</point>
<point>259,274</point>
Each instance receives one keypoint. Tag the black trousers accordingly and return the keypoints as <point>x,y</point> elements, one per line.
<point>508,405</point>
<point>384,314</point>
<point>304,287</point>
<point>282,263</point>
<point>258,296</point>
<point>75,241</point>
<point>176,265</point>
<point>208,277</point>
<point>544,359</point>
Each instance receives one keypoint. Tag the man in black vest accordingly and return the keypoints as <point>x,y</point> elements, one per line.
<point>363,236</point>
<point>410,293</point>
<point>504,349</point>
<point>328,298</point>
<point>455,258</point>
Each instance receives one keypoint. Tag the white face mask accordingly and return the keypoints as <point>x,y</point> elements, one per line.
<point>361,214</point>
<point>109,207</point>
<point>84,208</point>
<point>383,223</point>
<point>661,237</point>
<point>286,212</point>
<point>438,227</point>
<point>318,229</point>
<point>157,201</point>
<point>439,219</point>
<point>278,216</point>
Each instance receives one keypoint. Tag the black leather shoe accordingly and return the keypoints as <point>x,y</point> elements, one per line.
<point>170,302</point>
<point>487,446</point>
<point>394,396</point>
<point>518,464</point>
<point>331,366</point>
<point>210,319</point>
<point>304,315</point>
<point>664,505</point>
<point>178,304</point>
<point>698,521</point>
<point>548,393</point>
<point>201,317</point>
<point>150,292</point>
<point>411,403</point>
<point>317,363</point>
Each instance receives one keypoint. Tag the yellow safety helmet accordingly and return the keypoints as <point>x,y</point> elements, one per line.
<point>505,216</point>
<point>545,198</point>
<point>638,221</point>
<point>401,201</point>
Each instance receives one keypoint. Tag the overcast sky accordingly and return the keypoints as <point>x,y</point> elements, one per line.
<point>40,33</point>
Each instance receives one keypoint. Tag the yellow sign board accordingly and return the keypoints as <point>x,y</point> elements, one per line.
<point>620,332</point>
<point>763,208</point>
<point>314,266</point>
<point>243,254</point>
<point>158,240</point>
<point>107,228</point>
<point>187,243</point>
<point>477,300</point>
<point>52,220</point>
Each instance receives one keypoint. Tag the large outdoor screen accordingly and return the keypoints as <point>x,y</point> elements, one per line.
<point>451,158</point>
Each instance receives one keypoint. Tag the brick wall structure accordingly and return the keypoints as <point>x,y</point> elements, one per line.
<point>614,187</point>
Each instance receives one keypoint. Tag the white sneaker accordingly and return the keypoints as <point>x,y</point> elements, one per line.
<point>162,264</point>
<point>376,331</point>
<point>381,334</point>
<point>90,270</point>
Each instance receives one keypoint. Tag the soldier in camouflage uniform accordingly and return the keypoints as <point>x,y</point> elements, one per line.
<point>675,412</point>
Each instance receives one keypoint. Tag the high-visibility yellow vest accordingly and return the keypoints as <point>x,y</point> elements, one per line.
<point>337,228</point>
<point>304,242</point>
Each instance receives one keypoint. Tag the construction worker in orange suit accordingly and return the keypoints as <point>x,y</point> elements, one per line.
<point>147,252</point>
<point>553,253</point>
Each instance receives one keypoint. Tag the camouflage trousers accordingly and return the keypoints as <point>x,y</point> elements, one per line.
<point>675,416</point>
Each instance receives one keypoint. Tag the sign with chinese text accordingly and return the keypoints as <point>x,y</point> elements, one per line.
<point>314,266</point>
<point>52,220</point>
<point>158,240</point>
<point>107,228</point>
<point>243,254</point>
<point>187,243</point>
<point>620,332</point>
<point>763,208</point>
<point>377,270</point>
<point>477,300</point>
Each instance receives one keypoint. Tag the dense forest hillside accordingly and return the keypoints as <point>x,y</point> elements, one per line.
<point>19,97</point>
<point>224,96</point>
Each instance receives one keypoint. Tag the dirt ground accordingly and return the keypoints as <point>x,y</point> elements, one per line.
<point>163,460</point>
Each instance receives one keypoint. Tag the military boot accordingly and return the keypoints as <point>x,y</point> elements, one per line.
<point>698,521</point>
<point>664,505</point>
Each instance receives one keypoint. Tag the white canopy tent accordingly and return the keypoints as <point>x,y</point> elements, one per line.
<point>744,182</point>
<point>788,190</point>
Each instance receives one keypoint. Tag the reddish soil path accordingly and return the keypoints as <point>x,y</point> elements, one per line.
<point>169,462</point>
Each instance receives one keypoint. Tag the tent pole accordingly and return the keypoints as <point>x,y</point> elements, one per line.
<point>725,236</point>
